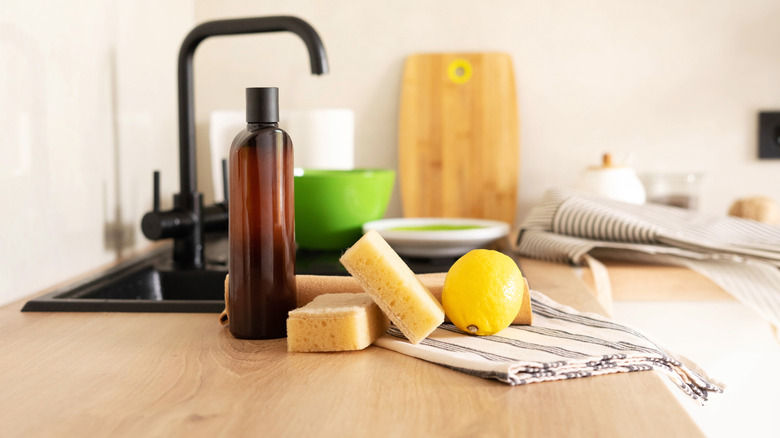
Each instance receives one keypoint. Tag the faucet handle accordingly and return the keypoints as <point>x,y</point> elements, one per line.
<point>158,224</point>
<point>156,192</point>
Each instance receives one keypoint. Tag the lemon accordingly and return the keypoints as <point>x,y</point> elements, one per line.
<point>483,292</point>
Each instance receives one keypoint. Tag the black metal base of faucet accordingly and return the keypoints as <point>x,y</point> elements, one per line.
<point>188,247</point>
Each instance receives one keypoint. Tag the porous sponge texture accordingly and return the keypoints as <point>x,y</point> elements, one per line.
<point>335,322</point>
<point>393,286</point>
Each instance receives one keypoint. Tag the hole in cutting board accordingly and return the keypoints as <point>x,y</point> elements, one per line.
<point>459,71</point>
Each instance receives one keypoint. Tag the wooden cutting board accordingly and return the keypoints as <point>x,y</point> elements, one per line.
<point>459,145</point>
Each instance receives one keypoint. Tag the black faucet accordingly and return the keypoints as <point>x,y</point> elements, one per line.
<point>187,222</point>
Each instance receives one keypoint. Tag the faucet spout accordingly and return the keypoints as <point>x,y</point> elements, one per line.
<point>188,220</point>
<point>317,58</point>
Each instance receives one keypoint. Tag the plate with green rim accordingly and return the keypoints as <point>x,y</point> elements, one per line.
<point>437,237</point>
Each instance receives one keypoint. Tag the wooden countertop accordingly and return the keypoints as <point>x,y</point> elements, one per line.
<point>120,374</point>
<point>633,282</point>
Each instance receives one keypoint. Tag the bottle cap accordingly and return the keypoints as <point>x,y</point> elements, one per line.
<point>262,105</point>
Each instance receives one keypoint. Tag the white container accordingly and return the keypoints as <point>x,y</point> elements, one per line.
<point>612,181</point>
<point>323,139</point>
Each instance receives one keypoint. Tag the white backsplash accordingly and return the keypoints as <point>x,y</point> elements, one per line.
<point>87,110</point>
<point>678,83</point>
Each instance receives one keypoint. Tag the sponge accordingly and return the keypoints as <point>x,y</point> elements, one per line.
<point>393,286</point>
<point>335,322</point>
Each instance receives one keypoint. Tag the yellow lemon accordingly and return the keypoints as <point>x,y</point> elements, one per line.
<point>483,292</point>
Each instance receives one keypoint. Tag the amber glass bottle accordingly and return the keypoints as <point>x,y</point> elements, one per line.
<point>261,222</point>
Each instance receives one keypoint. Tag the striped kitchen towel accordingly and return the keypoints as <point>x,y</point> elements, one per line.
<point>561,344</point>
<point>741,256</point>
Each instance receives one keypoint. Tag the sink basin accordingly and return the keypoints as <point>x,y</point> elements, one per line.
<point>144,284</point>
<point>150,283</point>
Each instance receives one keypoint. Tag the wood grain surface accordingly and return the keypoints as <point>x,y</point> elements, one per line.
<point>119,374</point>
<point>459,143</point>
<point>636,282</point>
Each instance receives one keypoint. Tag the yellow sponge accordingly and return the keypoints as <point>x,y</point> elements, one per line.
<point>393,286</point>
<point>335,322</point>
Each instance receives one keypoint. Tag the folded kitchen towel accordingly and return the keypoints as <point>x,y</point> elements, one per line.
<point>561,344</point>
<point>740,255</point>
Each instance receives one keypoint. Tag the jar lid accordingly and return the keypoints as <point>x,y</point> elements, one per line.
<point>607,164</point>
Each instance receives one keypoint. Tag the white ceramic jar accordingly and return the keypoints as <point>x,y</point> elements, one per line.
<point>612,181</point>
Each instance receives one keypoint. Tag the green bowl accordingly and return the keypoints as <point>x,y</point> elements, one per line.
<point>331,206</point>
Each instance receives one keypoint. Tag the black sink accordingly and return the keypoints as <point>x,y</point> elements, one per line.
<point>144,284</point>
<point>149,283</point>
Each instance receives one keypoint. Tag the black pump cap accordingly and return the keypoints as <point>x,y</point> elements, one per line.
<point>262,105</point>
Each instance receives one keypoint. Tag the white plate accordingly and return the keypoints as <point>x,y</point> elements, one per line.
<point>437,243</point>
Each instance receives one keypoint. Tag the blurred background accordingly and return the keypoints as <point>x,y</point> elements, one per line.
<point>88,100</point>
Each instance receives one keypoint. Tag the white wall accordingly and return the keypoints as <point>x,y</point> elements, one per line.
<point>676,82</point>
<point>87,110</point>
